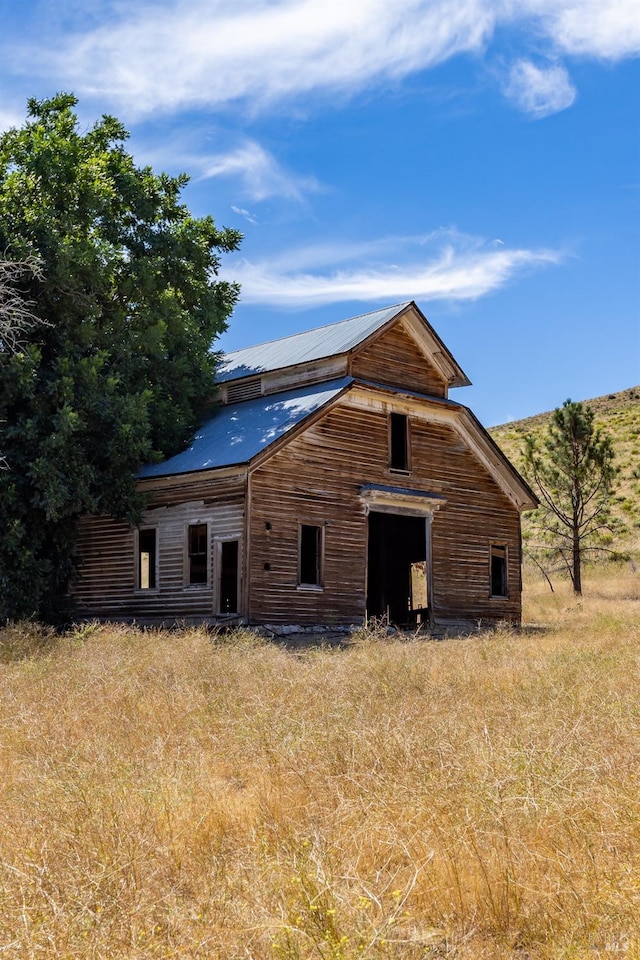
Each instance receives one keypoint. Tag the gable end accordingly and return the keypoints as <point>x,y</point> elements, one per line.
<point>418,361</point>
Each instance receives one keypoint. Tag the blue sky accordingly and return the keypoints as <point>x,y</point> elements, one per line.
<point>478,156</point>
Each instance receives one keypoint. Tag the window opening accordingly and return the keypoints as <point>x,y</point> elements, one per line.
<point>399,441</point>
<point>498,570</point>
<point>310,551</point>
<point>147,559</point>
<point>229,576</point>
<point>198,553</point>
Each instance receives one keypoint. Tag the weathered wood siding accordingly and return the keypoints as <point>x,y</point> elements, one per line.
<point>107,583</point>
<point>107,571</point>
<point>477,514</point>
<point>393,358</point>
<point>316,479</point>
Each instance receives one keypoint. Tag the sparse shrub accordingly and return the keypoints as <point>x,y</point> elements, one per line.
<point>23,640</point>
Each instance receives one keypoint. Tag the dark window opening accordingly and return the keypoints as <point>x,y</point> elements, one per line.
<point>498,571</point>
<point>399,441</point>
<point>147,559</point>
<point>229,576</point>
<point>310,553</point>
<point>198,553</point>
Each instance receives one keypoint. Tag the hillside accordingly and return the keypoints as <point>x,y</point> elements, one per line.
<point>619,415</point>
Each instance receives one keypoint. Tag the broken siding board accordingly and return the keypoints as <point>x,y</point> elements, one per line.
<point>331,461</point>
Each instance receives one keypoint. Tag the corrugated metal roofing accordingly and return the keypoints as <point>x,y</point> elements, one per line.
<point>236,433</point>
<point>336,338</point>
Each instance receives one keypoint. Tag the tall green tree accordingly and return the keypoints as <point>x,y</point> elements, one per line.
<point>572,469</point>
<point>121,368</point>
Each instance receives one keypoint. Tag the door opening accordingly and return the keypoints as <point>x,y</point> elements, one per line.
<point>228,585</point>
<point>397,568</point>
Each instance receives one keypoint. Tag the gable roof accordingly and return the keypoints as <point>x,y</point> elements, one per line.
<point>237,432</point>
<point>316,344</point>
<point>333,340</point>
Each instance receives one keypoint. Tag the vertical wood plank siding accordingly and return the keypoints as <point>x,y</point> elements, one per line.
<point>394,359</point>
<point>106,586</point>
<point>316,479</point>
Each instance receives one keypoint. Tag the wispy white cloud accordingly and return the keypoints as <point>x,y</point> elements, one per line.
<point>152,56</point>
<point>211,53</point>
<point>540,91</point>
<point>261,174</point>
<point>258,174</point>
<point>443,266</point>
<point>607,29</point>
<point>245,213</point>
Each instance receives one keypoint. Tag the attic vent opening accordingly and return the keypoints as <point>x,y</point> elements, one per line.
<point>244,390</point>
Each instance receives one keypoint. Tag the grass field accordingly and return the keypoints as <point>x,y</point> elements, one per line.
<point>173,795</point>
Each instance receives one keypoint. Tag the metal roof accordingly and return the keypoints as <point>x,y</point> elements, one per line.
<point>236,433</point>
<point>329,341</point>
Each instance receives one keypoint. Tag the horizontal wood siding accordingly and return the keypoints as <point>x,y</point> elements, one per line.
<point>394,358</point>
<point>477,514</point>
<point>210,489</point>
<point>107,571</point>
<point>316,479</point>
<point>107,583</point>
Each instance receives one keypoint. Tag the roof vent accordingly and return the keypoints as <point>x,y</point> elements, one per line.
<point>244,390</point>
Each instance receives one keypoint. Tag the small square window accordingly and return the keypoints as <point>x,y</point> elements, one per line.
<point>147,556</point>
<point>310,554</point>
<point>499,585</point>
<point>198,553</point>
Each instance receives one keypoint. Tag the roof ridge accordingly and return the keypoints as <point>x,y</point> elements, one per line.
<point>324,326</point>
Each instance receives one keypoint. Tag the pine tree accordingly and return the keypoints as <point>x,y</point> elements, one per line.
<point>572,469</point>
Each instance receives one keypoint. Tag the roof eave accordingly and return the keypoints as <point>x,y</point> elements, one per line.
<point>456,375</point>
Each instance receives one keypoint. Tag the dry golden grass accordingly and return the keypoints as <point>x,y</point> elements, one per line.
<point>170,795</point>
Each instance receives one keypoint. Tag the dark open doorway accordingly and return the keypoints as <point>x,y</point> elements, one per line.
<point>397,568</point>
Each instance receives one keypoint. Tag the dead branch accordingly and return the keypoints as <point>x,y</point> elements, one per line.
<point>16,312</point>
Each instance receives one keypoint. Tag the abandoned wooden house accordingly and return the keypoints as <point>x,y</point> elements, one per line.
<point>335,480</point>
